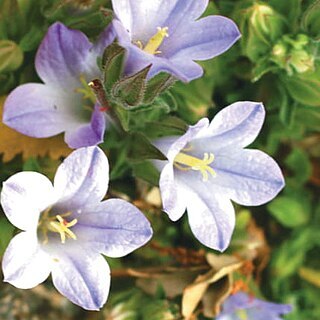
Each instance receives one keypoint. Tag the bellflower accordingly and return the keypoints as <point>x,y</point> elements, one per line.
<point>208,166</point>
<point>240,306</point>
<point>167,34</point>
<point>66,227</point>
<point>66,61</point>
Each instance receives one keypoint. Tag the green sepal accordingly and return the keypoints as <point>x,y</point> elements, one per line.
<point>157,85</point>
<point>107,15</point>
<point>146,171</point>
<point>11,56</point>
<point>142,149</point>
<point>112,62</point>
<point>129,91</point>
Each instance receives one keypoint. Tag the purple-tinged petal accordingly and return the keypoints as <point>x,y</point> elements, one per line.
<point>24,264</point>
<point>114,228</point>
<point>192,133</point>
<point>172,195</point>
<point>23,197</point>
<point>82,276</point>
<point>62,55</point>
<point>82,179</point>
<point>88,134</point>
<point>37,111</point>
<point>142,17</point>
<point>249,177</point>
<point>105,39</point>
<point>202,39</point>
<point>211,215</point>
<point>236,125</point>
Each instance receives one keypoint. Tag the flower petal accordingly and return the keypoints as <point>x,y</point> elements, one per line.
<point>159,13</point>
<point>201,40</point>
<point>24,264</point>
<point>62,56</point>
<point>23,197</point>
<point>210,213</point>
<point>82,276</point>
<point>172,195</point>
<point>114,228</point>
<point>37,111</point>
<point>82,179</point>
<point>249,177</point>
<point>236,125</point>
<point>88,134</point>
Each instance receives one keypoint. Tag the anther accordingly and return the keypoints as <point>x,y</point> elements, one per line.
<point>155,41</point>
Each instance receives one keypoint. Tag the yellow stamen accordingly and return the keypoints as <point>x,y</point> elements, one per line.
<point>242,314</point>
<point>155,41</point>
<point>190,162</point>
<point>86,90</point>
<point>62,227</point>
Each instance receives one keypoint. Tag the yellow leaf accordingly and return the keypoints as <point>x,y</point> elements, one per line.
<point>13,143</point>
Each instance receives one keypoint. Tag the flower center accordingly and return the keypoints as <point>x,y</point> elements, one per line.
<point>56,224</point>
<point>86,91</point>
<point>242,314</point>
<point>155,41</point>
<point>186,162</point>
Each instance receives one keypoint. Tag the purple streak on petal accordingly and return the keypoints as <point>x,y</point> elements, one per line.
<point>82,179</point>
<point>82,276</point>
<point>88,134</point>
<point>201,40</point>
<point>237,125</point>
<point>24,264</point>
<point>114,228</point>
<point>249,177</point>
<point>24,195</point>
<point>211,215</point>
<point>38,111</point>
<point>62,55</point>
<point>173,195</point>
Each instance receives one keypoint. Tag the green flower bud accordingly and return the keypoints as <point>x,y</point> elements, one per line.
<point>11,56</point>
<point>301,61</point>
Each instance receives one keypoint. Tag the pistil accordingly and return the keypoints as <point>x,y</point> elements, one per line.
<point>155,41</point>
<point>186,162</point>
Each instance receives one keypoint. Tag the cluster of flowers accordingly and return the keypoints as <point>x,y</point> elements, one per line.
<point>65,226</point>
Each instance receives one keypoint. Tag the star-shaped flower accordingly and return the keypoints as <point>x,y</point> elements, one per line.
<point>208,166</point>
<point>240,306</point>
<point>167,34</point>
<point>66,227</point>
<point>66,61</point>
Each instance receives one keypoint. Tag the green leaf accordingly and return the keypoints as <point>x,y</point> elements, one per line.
<point>6,234</point>
<point>289,211</point>
<point>129,91</point>
<point>310,21</point>
<point>142,149</point>
<point>262,67</point>
<point>112,61</point>
<point>157,85</point>
<point>145,170</point>
<point>305,89</point>
<point>30,41</point>
<point>11,56</point>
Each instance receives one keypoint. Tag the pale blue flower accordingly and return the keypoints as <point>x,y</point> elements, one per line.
<point>66,62</point>
<point>169,35</point>
<point>66,227</point>
<point>240,306</point>
<point>208,166</point>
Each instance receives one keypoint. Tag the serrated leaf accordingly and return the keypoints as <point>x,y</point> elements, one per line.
<point>11,56</point>
<point>157,85</point>
<point>13,143</point>
<point>129,91</point>
<point>112,61</point>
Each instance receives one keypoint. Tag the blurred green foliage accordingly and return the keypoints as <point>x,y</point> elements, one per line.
<point>276,62</point>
